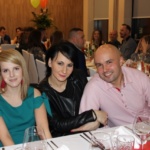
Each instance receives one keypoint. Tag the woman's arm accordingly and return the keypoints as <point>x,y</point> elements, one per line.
<point>41,116</point>
<point>14,40</point>
<point>91,119</point>
<point>5,137</point>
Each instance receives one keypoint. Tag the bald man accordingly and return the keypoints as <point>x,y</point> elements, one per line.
<point>113,35</point>
<point>120,91</point>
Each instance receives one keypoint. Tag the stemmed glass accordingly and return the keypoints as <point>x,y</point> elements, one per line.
<point>34,139</point>
<point>141,127</point>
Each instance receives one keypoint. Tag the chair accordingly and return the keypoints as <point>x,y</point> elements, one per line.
<point>31,66</point>
<point>41,68</point>
<point>92,71</point>
<point>8,46</point>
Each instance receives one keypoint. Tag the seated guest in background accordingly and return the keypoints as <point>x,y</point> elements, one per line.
<point>64,87</point>
<point>19,31</point>
<point>122,92</point>
<point>23,43</point>
<point>4,38</point>
<point>35,45</point>
<point>128,45</point>
<point>21,106</point>
<point>56,37</point>
<point>113,35</point>
<point>43,38</point>
<point>96,39</point>
<point>143,50</point>
<point>76,37</point>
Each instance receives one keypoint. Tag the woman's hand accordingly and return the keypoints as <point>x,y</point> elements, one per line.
<point>102,116</point>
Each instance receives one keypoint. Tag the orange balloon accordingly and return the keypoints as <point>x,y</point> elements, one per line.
<point>43,3</point>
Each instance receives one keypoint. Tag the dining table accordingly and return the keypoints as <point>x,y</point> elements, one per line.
<point>79,141</point>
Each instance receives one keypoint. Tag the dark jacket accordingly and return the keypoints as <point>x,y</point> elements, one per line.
<point>79,62</point>
<point>65,105</point>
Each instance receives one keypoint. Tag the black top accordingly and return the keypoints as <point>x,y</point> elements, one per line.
<point>65,105</point>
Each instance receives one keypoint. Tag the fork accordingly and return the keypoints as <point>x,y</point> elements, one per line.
<point>95,142</point>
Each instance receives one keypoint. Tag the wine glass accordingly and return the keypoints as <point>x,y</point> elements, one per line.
<point>34,139</point>
<point>141,127</point>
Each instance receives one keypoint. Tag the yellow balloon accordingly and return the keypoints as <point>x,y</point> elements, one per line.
<point>35,3</point>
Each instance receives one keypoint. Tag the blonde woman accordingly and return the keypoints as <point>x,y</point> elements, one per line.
<point>21,106</point>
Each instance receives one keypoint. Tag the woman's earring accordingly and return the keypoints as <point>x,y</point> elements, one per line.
<point>21,81</point>
<point>3,84</point>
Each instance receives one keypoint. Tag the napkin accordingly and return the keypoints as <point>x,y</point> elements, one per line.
<point>63,147</point>
<point>125,131</point>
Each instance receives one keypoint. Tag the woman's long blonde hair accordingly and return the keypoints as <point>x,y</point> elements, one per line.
<point>15,57</point>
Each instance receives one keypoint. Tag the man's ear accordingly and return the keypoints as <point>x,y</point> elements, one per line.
<point>122,61</point>
<point>49,62</point>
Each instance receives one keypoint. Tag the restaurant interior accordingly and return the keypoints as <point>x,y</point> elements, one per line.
<point>106,16</point>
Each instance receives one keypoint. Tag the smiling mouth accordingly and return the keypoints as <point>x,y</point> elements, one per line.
<point>108,74</point>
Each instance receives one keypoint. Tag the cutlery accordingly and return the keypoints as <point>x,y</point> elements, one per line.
<point>50,146</point>
<point>85,138</point>
<point>99,143</point>
<point>54,144</point>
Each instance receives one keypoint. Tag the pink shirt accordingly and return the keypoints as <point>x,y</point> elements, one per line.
<point>123,105</point>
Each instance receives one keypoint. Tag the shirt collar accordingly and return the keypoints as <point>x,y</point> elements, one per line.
<point>127,80</point>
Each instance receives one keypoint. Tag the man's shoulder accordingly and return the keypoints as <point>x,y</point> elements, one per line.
<point>133,73</point>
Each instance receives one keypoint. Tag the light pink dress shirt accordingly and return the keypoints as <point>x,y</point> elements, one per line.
<point>134,97</point>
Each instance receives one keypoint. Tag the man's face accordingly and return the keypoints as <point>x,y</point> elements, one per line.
<point>79,39</point>
<point>124,32</point>
<point>108,63</point>
<point>113,35</point>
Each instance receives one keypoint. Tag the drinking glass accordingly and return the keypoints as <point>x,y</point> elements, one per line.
<point>125,142</point>
<point>141,127</point>
<point>34,139</point>
<point>101,141</point>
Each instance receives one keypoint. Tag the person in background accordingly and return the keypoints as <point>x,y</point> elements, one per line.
<point>21,106</point>
<point>142,51</point>
<point>76,38</point>
<point>23,43</point>
<point>128,45</point>
<point>64,86</point>
<point>44,39</point>
<point>4,38</point>
<point>122,92</point>
<point>19,31</point>
<point>56,37</point>
<point>35,45</point>
<point>96,39</point>
<point>113,35</point>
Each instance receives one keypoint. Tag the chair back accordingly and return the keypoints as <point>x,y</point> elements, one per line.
<point>8,46</point>
<point>31,66</point>
<point>92,71</point>
<point>41,68</point>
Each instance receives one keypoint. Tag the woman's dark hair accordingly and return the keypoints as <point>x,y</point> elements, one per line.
<point>100,36</point>
<point>64,48</point>
<point>34,39</point>
<point>56,37</point>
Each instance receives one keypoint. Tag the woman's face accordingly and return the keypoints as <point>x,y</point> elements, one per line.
<point>11,74</point>
<point>61,67</point>
<point>144,46</point>
<point>96,35</point>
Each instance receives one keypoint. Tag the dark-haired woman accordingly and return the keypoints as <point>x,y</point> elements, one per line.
<point>64,87</point>
<point>35,45</point>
